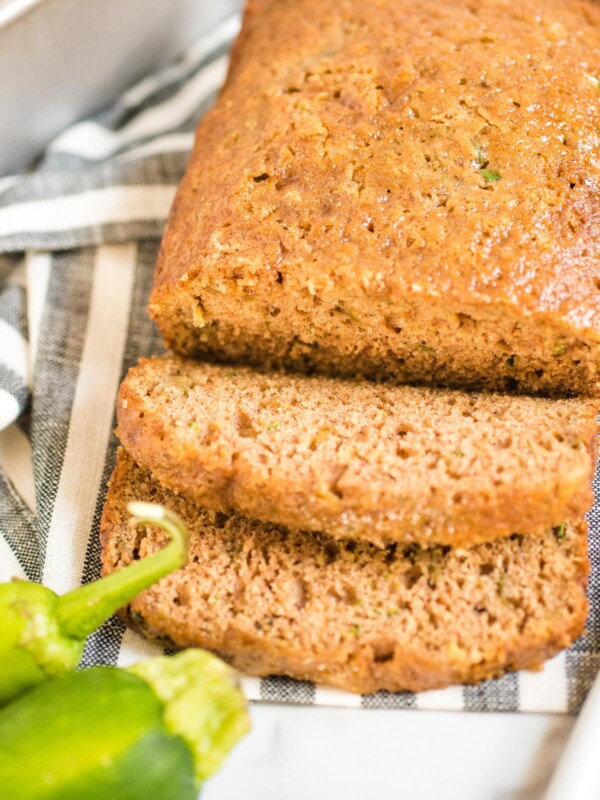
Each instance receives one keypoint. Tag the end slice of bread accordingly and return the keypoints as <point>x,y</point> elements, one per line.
<point>356,459</point>
<point>348,614</point>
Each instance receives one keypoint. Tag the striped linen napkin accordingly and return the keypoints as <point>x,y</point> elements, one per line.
<point>78,241</point>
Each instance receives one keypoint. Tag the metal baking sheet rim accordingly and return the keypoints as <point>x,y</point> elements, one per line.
<point>11,10</point>
<point>63,59</point>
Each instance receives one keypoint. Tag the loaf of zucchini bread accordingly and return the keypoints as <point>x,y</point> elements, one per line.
<point>398,190</point>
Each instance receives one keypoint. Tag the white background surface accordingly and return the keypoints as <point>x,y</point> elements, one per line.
<point>296,753</point>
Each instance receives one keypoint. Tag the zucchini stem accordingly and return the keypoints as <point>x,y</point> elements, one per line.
<point>83,610</point>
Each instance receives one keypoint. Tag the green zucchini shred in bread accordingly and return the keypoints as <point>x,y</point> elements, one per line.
<point>346,613</point>
<point>397,191</point>
<point>357,459</point>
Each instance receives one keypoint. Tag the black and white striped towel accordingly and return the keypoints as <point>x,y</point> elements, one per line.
<point>78,241</point>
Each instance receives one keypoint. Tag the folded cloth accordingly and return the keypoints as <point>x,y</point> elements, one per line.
<point>78,240</point>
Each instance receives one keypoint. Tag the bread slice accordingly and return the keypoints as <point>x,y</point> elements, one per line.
<point>397,191</point>
<point>356,459</point>
<point>345,613</point>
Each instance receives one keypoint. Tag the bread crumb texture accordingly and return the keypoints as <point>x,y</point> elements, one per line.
<point>346,613</point>
<point>357,459</point>
<point>401,190</point>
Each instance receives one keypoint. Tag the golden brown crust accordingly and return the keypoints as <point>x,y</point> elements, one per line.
<point>399,191</point>
<point>348,614</point>
<point>359,460</point>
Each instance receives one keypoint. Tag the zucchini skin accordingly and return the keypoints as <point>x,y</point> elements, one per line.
<point>44,634</point>
<point>97,734</point>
